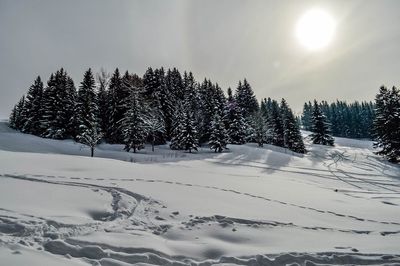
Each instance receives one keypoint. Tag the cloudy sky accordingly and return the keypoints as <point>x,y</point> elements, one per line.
<point>225,40</point>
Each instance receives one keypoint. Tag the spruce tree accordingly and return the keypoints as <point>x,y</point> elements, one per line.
<point>69,104</point>
<point>207,109</point>
<point>103,104</point>
<point>387,123</point>
<point>320,128</point>
<point>86,105</point>
<point>20,118</point>
<point>185,133</point>
<point>175,84</point>
<point>234,122</point>
<point>13,117</point>
<point>158,95</point>
<point>34,108</point>
<point>134,128</point>
<point>218,137</point>
<point>117,108</point>
<point>292,135</point>
<point>18,115</point>
<point>275,135</point>
<point>58,106</point>
<point>246,99</point>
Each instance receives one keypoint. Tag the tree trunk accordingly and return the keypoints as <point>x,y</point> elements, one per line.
<point>91,151</point>
<point>152,144</point>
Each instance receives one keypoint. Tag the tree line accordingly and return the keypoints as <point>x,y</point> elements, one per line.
<point>165,106</point>
<point>352,120</point>
<point>379,120</point>
<point>160,107</point>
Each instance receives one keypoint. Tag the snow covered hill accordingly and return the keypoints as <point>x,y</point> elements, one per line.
<point>247,206</point>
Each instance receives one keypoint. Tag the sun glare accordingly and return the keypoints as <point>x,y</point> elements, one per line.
<point>315,29</point>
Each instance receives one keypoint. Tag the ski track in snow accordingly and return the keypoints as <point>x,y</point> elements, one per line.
<point>62,244</point>
<point>140,197</point>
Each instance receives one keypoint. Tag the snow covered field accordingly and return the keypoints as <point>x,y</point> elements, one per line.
<point>246,206</point>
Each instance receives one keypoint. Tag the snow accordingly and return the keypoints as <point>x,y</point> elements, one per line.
<point>245,206</point>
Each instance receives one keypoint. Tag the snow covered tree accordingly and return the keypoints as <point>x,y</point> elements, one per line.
<point>160,98</point>
<point>218,137</point>
<point>211,100</point>
<point>86,104</point>
<point>190,98</point>
<point>246,99</point>
<point>185,133</point>
<point>13,117</point>
<point>90,135</point>
<point>58,106</point>
<point>275,135</point>
<point>21,118</point>
<point>154,126</point>
<point>33,108</point>
<point>292,135</point>
<point>18,115</point>
<point>234,122</point>
<point>134,128</point>
<point>117,108</point>
<point>320,128</point>
<point>175,84</point>
<point>387,123</point>
<point>69,102</point>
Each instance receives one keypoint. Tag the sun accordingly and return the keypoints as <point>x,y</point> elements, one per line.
<point>315,29</point>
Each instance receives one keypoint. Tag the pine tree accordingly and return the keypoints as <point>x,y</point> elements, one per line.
<point>292,135</point>
<point>158,95</point>
<point>207,109</point>
<point>185,133</point>
<point>58,107</point>
<point>211,100</point>
<point>20,117</point>
<point>386,123</point>
<point>13,117</point>
<point>190,97</point>
<point>246,99</point>
<point>218,138</point>
<point>134,128</point>
<point>117,108</point>
<point>275,135</point>
<point>175,84</point>
<point>34,108</point>
<point>234,122</point>
<point>86,105</point>
<point>103,103</point>
<point>320,127</point>
<point>69,103</point>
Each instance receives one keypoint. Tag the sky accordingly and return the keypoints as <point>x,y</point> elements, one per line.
<point>224,40</point>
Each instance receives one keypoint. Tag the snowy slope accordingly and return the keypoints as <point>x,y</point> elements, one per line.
<point>247,206</point>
